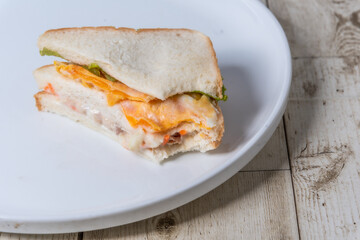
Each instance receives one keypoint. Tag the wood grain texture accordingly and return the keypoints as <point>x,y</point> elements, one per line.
<point>325,78</point>
<point>322,124</point>
<point>319,28</point>
<point>273,156</point>
<point>11,236</point>
<point>251,205</point>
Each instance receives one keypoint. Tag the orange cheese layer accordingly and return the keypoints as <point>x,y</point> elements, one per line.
<point>157,116</point>
<point>115,91</point>
<point>142,110</point>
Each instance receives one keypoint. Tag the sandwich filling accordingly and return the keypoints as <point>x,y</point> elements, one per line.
<point>145,112</point>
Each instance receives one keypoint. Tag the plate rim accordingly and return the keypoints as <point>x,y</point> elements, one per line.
<point>116,217</point>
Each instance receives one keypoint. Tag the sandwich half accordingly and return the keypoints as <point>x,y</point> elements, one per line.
<point>155,91</point>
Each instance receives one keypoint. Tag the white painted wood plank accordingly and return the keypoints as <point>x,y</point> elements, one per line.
<point>320,28</point>
<point>273,156</point>
<point>12,236</point>
<point>330,78</point>
<point>251,205</point>
<point>323,137</point>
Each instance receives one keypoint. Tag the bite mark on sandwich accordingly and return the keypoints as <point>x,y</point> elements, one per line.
<point>149,124</point>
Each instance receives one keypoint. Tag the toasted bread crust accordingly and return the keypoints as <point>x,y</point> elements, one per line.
<point>38,97</point>
<point>218,82</point>
<point>220,128</point>
<point>112,28</point>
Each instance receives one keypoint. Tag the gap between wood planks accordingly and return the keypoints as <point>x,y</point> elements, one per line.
<point>80,236</point>
<point>263,170</point>
<point>291,175</point>
<point>288,156</point>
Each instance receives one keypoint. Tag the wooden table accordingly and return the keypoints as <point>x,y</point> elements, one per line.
<point>305,184</point>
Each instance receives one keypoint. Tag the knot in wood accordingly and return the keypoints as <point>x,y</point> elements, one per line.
<point>166,224</point>
<point>355,18</point>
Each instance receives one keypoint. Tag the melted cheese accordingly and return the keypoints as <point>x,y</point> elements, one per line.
<point>115,91</point>
<point>142,110</point>
<point>158,116</point>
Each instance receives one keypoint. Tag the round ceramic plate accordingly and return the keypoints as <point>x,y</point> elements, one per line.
<point>58,176</point>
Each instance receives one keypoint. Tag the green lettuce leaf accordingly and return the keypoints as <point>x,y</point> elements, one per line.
<point>224,98</point>
<point>48,52</point>
<point>95,69</point>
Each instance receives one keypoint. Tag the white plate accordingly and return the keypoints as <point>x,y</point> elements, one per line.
<point>58,176</point>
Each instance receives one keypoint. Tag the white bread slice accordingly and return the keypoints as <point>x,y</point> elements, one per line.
<point>158,62</point>
<point>89,107</point>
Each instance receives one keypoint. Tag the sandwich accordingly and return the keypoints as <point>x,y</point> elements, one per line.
<point>155,91</point>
